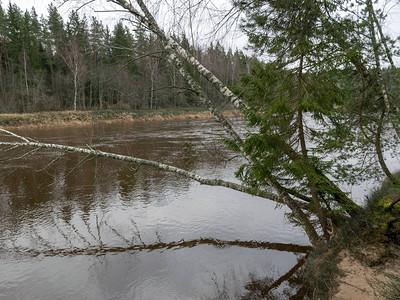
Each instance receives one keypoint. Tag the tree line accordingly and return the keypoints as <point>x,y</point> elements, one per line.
<point>49,64</point>
<point>324,110</point>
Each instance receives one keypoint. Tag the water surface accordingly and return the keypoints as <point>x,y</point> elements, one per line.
<point>77,227</point>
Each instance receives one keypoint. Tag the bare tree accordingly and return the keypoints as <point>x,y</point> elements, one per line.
<point>75,61</point>
<point>178,56</point>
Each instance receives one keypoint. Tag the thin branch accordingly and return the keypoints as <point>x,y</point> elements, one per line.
<point>25,155</point>
<point>117,233</point>
<point>114,172</point>
<point>15,135</point>
<point>174,245</point>
<point>84,4</point>
<point>52,162</point>
<point>158,165</point>
<point>83,161</point>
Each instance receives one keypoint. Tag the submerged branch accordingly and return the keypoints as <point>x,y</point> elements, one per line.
<point>174,245</point>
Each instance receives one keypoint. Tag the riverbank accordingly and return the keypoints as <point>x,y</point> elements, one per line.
<point>365,272</point>
<point>362,282</point>
<point>363,260</point>
<point>355,278</point>
<point>79,118</point>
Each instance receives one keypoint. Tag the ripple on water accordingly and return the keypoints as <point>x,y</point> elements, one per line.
<point>110,230</point>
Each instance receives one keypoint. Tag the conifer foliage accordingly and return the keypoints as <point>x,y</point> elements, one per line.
<point>326,104</point>
<point>77,63</point>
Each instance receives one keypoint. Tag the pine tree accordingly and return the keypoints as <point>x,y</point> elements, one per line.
<point>3,53</point>
<point>75,55</point>
<point>122,47</point>
<point>321,92</point>
<point>55,47</point>
<point>98,52</point>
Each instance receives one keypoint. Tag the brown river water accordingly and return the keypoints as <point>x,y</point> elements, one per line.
<point>76,227</point>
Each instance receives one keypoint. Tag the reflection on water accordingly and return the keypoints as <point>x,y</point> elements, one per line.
<point>76,227</point>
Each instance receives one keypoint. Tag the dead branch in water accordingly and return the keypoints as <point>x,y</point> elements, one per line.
<point>97,153</point>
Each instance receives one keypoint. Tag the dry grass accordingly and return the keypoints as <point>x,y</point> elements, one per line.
<point>363,251</point>
<point>80,118</point>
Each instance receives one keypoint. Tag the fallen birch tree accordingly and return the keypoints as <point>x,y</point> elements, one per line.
<point>177,56</point>
<point>139,161</point>
<point>280,155</point>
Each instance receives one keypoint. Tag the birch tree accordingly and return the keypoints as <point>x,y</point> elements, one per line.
<point>301,34</point>
<point>175,55</point>
<point>305,80</point>
<point>76,64</point>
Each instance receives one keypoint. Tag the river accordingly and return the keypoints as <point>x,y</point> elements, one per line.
<point>76,227</point>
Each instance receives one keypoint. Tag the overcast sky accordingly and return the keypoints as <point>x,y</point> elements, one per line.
<point>392,26</point>
<point>42,5</point>
<point>234,40</point>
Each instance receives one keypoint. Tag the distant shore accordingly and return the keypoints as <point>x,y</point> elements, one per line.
<point>80,118</point>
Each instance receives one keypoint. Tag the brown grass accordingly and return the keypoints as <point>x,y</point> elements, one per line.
<point>83,118</point>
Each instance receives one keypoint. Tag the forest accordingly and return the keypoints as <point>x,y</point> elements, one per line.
<point>320,115</point>
<point>49,64</point>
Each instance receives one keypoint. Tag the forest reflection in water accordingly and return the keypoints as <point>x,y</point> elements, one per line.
<point>80,227</point>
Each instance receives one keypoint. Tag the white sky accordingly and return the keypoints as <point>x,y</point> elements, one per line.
<point>235,40</point>
<point>392,26</point>
<point>42,5</point>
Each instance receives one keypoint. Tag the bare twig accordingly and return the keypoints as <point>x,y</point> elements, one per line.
<point>15,135</point>
<point>118,234</point>
<point>158,165</point>
<point>52,162</point>
<point>25,155</point>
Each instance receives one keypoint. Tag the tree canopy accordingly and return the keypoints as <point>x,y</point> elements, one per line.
<point>322,110</point>
<point>48,63</point>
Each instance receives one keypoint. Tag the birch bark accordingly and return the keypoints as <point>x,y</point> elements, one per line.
<point>89,151</point>
<point>174,49</point>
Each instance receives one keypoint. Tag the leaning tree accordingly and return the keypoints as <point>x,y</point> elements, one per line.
<point>323,93</point>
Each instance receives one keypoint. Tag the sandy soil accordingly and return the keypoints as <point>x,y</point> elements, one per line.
<point>360,281</point>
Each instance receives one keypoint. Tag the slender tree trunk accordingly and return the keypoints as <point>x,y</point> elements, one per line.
<point>100,95</point>
<point>90,94</point>
<point>383,39</point>
<point>151,87</point>
<point>174,86</point>
<point>378,149</point>
<point>373,20</point>
<point>26,76</point>
<point>75,71</point>
<point>356,60</point>
<point>57,84</point>
<point>300,215</point>
<point>1,65</point>
<point>386,103</point>
<point>310,177</point>
<point>83,98</point>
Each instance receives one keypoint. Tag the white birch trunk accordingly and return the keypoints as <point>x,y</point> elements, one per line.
<point>26,76</point>
<point>213,182</point>
<point>151,23</point>
<point>75,71</point>
<point>173,49</point>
